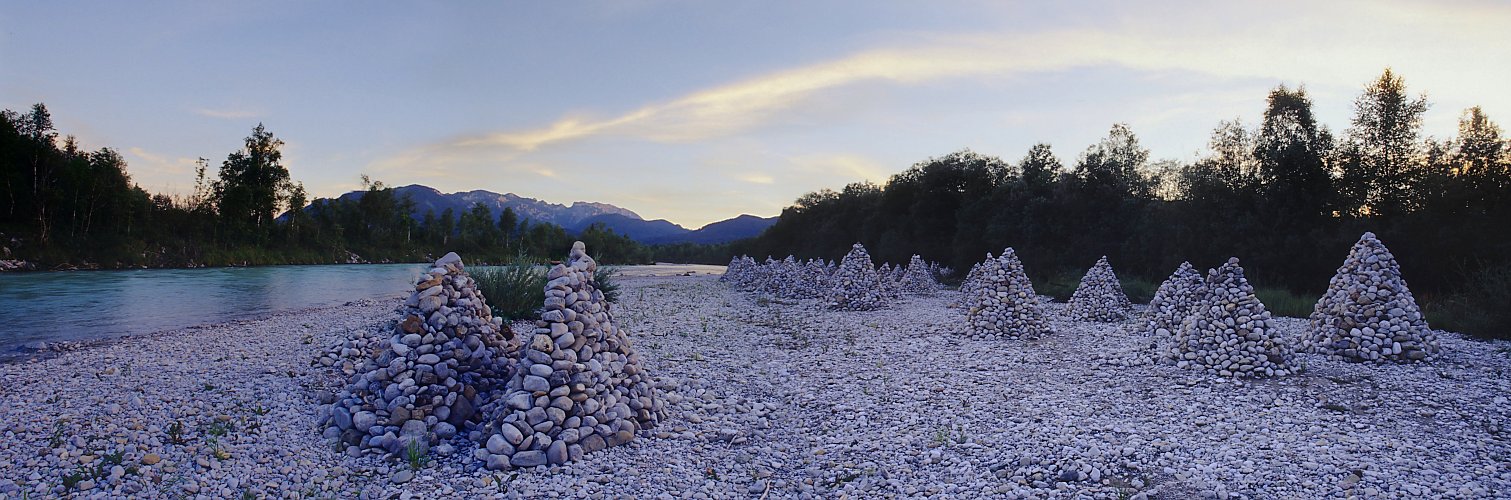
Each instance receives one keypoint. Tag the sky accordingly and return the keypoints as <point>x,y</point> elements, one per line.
<point>698,111</point>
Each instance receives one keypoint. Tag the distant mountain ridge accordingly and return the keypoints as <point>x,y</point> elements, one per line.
<point>577,216</point>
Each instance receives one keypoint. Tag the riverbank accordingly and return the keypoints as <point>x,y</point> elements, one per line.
<point>780,400</point>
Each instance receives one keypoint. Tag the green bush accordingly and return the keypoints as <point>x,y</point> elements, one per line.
<point>515,291</point>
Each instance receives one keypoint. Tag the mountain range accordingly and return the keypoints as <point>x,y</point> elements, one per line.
<point>577,216</point>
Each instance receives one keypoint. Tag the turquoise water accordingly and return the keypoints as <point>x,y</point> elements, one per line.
<point>83,305</point>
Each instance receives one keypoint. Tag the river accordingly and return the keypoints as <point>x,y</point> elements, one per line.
<point>88,305</point>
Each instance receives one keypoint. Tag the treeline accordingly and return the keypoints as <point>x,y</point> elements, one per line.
<point>1286,196</point>
<point>67,207</point>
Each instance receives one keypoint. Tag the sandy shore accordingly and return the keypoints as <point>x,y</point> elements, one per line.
<point>780,400</point>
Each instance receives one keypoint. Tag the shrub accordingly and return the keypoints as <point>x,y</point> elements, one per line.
<point>514,291</point>
<point>606,278</point>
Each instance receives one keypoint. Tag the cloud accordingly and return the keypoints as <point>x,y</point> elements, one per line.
<point>1333,46</point>
<point>227,114</point>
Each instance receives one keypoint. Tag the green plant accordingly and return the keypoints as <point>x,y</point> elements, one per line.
<point>176,432</point>
<point>417,456</point>
<point>73,479</point>
<point>606,280</point>
<point>1479,309</point>
<point>58,429</point>
<point>209,387</point>
<point>514,291</point>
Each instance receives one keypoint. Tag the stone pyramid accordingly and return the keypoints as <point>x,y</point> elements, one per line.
<point>1368,313</point>
<point>857,286</point>
<point>580,386</point>
<point>919,278</point>
<point>1173,301</point>
<point>1229,333</point>
<point>971,282</point>
<point>890,287</point>
<point>428,379</point>
<point>1099,297</point>
<point>1004,304</point>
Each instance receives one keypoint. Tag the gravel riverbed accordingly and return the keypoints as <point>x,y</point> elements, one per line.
<point>781,400</point>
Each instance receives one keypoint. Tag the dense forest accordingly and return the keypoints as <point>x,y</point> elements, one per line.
<point>64,207</point>
<point>1286,196</point>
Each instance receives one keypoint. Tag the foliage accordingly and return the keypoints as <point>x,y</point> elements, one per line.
<point>514,291</point>
<point>606,279</point>
<point>63,205</point>
<point>1283,196</point>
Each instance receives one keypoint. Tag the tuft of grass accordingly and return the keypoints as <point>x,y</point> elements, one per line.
<point>417,456</point>
<point>1282,302</point>
<point>514,291</point>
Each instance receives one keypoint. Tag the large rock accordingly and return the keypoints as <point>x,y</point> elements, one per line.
<point>1368,313</point>
<point>1004,303</point>
<point>1099,297</point>
<point>578,376</point>
<point>446,354</point>
<point>1229,332</point>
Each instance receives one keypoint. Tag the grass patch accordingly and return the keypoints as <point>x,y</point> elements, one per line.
<point>514,291</point>
<point>1479,309</point>
<point>1139,290</point>
<point>1282,302</point>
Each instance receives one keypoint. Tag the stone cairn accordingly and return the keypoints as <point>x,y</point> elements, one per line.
<point>1368,313</point>
<point>857,286</point>
<point>1004,303</point>
<point>890,287</point>
<point>1099,297</point>
<point>971,282</point>
<point>428,379</point>
<point>1229,332</point>
<point>919,278</point>
<point>1173,301</point>
<point>580,386</point>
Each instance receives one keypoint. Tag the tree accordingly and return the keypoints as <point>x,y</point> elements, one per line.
<point>1381,159</point>
<point>1039,168</point>
<point>508,223</point>
<point>253,184</point>
<point>1291,152</point>
<point>1115,165</point>
<point>1480,154</point>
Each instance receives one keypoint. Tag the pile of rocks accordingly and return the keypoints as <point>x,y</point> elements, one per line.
<point>1004,303</point>
<point>743,272</point>
<point>856,284</point>
<point>580,386</point>
<point>1229,332</point>
<point>971,282</point>
<point>1368,313</point>
<point>890,286</point>
<point>919,277</point>
<point>428,379</point>
<point>353,350</point>
<point>1099,297</point>
<point>1173,301</point>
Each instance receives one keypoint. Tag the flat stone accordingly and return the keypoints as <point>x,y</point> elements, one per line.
<point>529,458</point>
